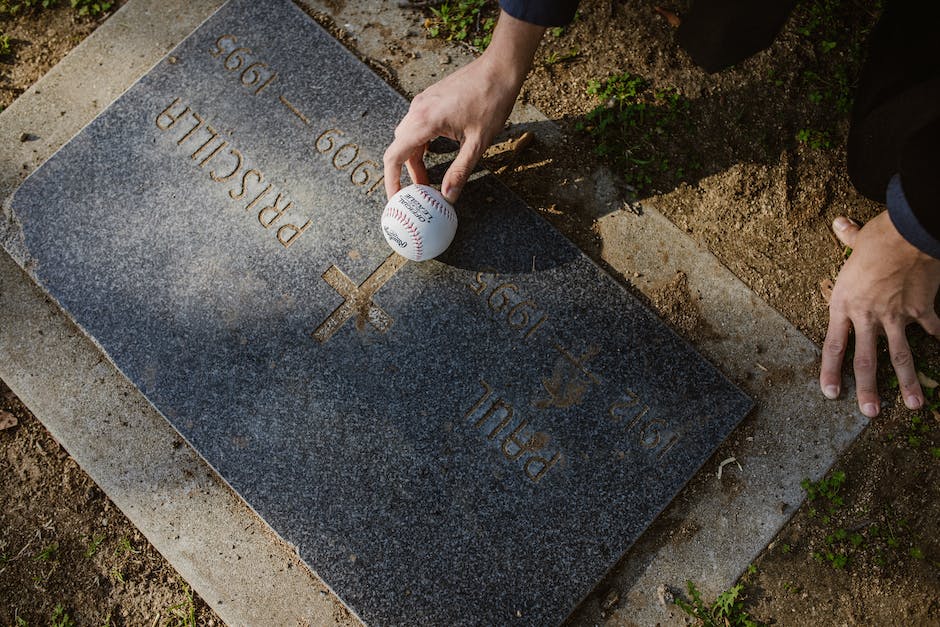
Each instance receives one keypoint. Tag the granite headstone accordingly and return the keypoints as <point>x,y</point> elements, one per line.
<point>472,440</point>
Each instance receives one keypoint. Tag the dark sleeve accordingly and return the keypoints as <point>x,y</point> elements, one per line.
<point>541,12</point>
<point>720,33</point>
<point>894,140</point>
<point>918,186</point>
<point>907,221</point>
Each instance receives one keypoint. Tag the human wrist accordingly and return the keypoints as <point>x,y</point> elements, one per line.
<point>512,49</point>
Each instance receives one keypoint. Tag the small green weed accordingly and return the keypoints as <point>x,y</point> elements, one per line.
<point>467,21</point>
<point>726,611</point>
<point>183,614</point>
<point>12,8</point>
<point>632,124</point>
<point>6,47</point>
<point>48,553</point>
<point>83,7</point>
<point>562,57</point>
<point>125,547</point>
<point>91,7</point>
<point>117,575</point>
<point>93,545</point>
<point>60,618</point>
<point>827,488</point>
<point>814,139</point>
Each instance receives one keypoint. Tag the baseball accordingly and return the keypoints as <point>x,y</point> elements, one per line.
<point>418,223</point>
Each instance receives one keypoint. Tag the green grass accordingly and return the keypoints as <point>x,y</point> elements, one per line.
<point>885,538</point>
<point>467,21</point>
<point>836,31</point>
<point>726,611</point>
<point>630,124</point>
<point>83,7</point>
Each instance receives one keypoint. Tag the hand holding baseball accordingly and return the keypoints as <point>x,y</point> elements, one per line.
<point>418,223</point>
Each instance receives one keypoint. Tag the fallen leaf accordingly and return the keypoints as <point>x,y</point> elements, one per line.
<point>7,420</point>
<point>522,142</point>
<point>671,18</point>
<point>926,381</point>
<point>825,286</point>
<point>936,414</point>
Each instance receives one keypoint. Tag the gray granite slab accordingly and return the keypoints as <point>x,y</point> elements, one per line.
<point>472,440</point>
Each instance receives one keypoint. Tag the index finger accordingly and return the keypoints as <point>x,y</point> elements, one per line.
<point>407,148</point>
<point>394,158</point>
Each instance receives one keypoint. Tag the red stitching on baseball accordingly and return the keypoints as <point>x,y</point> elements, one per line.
<point>447,211</point>
<point>405,222</point>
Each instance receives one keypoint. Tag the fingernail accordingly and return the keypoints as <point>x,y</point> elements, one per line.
<point>831,391</point>
<point>841,223</point>
<point>913,402</point>
<point>451,194</point>
<point>870,409</point>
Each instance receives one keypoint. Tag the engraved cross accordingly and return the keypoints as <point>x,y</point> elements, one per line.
<point>570,379</point>
<point>358,299</point>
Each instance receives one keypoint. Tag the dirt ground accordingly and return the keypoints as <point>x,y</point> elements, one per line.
<point>734,175</point>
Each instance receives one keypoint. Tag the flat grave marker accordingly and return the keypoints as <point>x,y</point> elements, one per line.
<point>471,440</point>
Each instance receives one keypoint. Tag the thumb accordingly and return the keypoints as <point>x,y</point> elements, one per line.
<point>846,230</point>
<point>931,323</point>
<point>461,168</point>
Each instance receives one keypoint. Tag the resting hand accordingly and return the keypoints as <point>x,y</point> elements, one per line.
<point>469,106</point>
<point>884,285</point>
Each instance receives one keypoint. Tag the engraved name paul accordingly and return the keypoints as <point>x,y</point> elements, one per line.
<point>498,422</point>
<point>571,378</point>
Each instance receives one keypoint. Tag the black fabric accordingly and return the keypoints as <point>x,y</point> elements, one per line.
<point>896,106</point>
<point>541,12</point>
<point>719,33</point>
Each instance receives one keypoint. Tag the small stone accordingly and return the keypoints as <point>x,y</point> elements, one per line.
<point>665,595</point>
<point>610,601</point>
<point>7,420</point>
<point>91,493</point>
<point>445,59</point>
